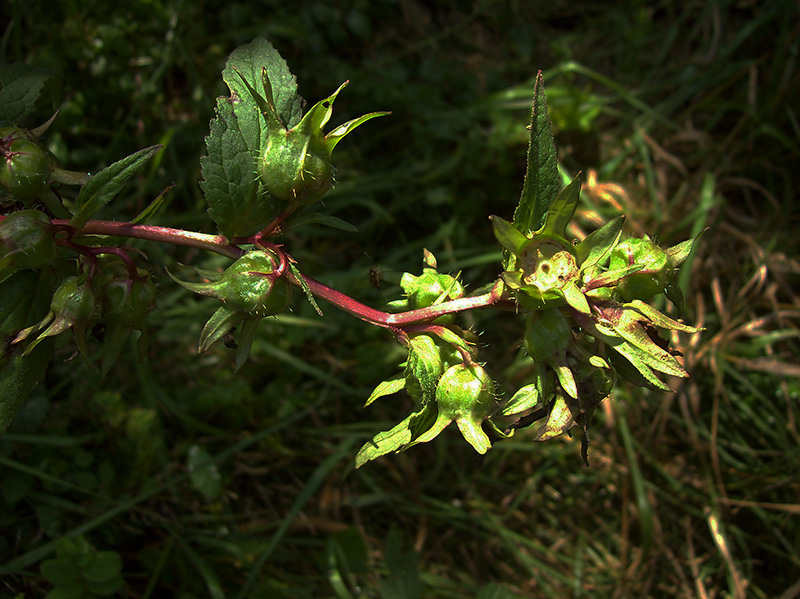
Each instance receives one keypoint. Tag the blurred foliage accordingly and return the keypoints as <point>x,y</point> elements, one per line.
<point>207,483</point>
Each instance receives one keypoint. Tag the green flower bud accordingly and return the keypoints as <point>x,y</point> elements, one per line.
<point>465,395</point>
<point>547,332</point>
<point>74,306</point>
<point>295,165</point>
<point>123,299</point>
<point>25,167</point>
<point>26,241</point>
<point>651,279</point>
<point>431,288</point>
<point>249,286</point>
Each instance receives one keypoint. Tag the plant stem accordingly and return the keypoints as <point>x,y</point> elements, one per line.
<point>220,245</point>
<point>213,243</point>
<point>395,321</point>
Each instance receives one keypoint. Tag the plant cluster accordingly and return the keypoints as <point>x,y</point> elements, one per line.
<point>268,165</point>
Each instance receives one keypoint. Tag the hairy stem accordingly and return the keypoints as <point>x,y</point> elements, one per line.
<point>213,243</point>
<point>402,319</point>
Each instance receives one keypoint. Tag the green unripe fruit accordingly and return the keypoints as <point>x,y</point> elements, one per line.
<point>465,392</point>
<point>430,286</point>
<point>25,167</point>
<point>26,241</point>
<point>649,281</point>
<point>250,286</point>
<point>296,167</point>
<point>124,299</point>
<point>74,302</point>
<point>547,332</point>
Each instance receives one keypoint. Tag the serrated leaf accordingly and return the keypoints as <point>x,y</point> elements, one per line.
<point>105,185</point>
<point>20,85</point>
<point>229,182</point>
<point>541,178</point>
<point>248,62</point>
<point>561,210</point>
<point>560,419</point>
<point>386,388</point>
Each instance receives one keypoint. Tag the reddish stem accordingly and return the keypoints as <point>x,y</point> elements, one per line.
<point>213,243</point>
<point>403,319</point>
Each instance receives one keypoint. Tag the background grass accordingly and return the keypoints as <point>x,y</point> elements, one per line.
<point>682,115</point>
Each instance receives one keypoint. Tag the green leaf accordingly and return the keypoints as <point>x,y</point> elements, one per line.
<point>20,85</point>
<point>116,334</point>
<point>105,566</point>
<point>425,365</point>
<point>561,210</point>
<point>317,218</point>
<point>105,185</point>
<point>386,388</point>
<point>596,247</point>
<point>229,177</point>
<point>106,588</point>
<point>243,73</point>
<point>541,178</point>
<point>245,342</point>
<point>525,398</point>
<point>153,207</point>
<point>404,580</point>
<point>305,287</point>
<point>508,235</point>
<point>679,253</point>
<point>220,323</point>
<point>18,378</point>
<point>335,136</point>
<point>386,442</point>
<point>60,572</point>
<point>203,473</point>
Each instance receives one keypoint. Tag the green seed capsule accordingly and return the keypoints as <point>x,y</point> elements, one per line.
<point>649,281</point>
<point>547,332</point>
<point>25,167</point>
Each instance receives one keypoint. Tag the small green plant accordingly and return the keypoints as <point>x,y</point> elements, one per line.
<point>79,571</point>
<point>268,165</point>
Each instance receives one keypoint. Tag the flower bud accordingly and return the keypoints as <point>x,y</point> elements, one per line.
<point>26,241</point>
<point>651,279</point>
<point>547,332</point>
<point>296,166</point>
<point>465,395</point>
<point>249,286</point>
<point>25,167</point>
